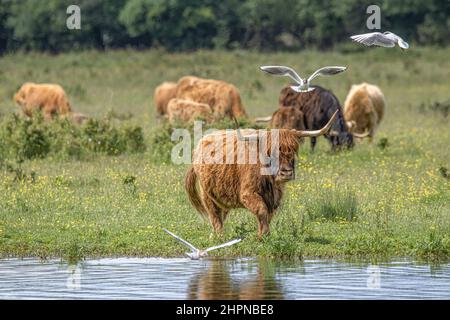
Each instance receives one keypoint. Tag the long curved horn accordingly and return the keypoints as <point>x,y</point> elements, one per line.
<point>361,135</point>
<point>263,119</point>
<point>316,133</point>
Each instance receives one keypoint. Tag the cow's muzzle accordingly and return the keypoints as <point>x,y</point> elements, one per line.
<point>285,175</point>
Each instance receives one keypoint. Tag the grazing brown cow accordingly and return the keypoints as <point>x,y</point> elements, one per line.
<point>364,108</point>
<point>222,97</point>
<point>229,183</point>
<point>50,99</point>
<point>162,95</point>
<point>287,118</point>
<point>187,111</point>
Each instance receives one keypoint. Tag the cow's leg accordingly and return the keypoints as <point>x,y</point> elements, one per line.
<point>224,214</point>
<point>255,203</point>
<point>270,216</point>
<point>313,143</point>
<point>371,135</point>
<point>214,213</point>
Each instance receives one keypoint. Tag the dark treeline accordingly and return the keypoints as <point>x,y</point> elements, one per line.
<point>193,24</point>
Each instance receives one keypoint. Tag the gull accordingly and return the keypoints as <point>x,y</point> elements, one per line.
<point>195,253</point>
<point>303,83</point>
<point>386,39</point>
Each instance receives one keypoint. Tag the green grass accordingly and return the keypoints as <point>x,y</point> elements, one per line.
<point>396,189</point>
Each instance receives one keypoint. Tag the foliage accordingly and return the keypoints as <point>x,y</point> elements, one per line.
<point>34,138</point>
<point>194,24</point>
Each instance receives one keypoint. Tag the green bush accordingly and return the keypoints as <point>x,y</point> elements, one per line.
<point>25,139</point>
<point>35,138</point>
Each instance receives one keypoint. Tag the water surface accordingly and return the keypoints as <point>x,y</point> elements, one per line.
<point>157,278</point>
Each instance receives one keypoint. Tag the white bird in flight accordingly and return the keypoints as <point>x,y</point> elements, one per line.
<point>195,253</point>
<point>303,84</point>
<point>385,39</point>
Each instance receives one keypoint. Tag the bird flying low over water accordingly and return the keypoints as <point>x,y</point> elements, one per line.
<point>303,84</point>
<point>385,39</point>
<point>195,253</point>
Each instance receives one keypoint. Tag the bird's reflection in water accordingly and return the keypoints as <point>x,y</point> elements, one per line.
<point>222,281</point>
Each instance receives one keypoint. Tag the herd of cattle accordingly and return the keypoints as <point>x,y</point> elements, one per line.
<point>216,188</point>
<point>193,97</point>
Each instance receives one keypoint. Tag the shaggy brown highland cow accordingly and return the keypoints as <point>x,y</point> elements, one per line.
<point>233,180</point>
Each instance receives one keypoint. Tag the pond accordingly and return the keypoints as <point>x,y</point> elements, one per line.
<point>180,278</point>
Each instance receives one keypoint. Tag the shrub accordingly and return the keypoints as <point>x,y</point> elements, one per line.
<point>23,139</point>
<point>383,143</point>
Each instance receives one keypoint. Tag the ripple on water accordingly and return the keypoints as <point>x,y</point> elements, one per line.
<point>180,278</point>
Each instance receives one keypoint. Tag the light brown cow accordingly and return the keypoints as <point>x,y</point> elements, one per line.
<point>364,108</point>
<point>162,95</point>
<point>228,183</point>
<point>222,97</point>
<point>187,111</point>
<point>288,118</point>
<point>50,99</point>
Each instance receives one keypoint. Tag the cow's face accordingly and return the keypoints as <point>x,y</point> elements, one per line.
<point>20,97</point>
<point>286,169</point>
<point>343,139</point>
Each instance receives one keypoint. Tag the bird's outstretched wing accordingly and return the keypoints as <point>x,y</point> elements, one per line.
<point>181,240</point>
<point>403,44</point>
<point>282,71</point>
<point>327,71</point>
<point>230,243</point>
<point>373,38</point>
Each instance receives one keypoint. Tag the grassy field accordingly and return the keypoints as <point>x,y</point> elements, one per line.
<point>388,198</point>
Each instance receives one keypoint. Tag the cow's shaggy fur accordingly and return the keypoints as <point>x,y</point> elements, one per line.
<point>222,97</point>
<point>187,111</point>
<point>288,118</point>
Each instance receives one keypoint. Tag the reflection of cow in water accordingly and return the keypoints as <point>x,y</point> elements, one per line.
<point>215,283</point>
